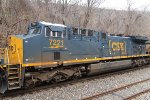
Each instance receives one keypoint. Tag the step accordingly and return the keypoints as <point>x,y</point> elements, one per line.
<point>13,75</point>
<point>13,68</point>
<point>10,73</point>
<point>13,83</point>
<point>11,78</point>
<point>12,88</point>
<point>13,71</point>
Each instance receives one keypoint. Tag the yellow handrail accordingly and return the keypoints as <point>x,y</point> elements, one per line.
<point>19,61</point>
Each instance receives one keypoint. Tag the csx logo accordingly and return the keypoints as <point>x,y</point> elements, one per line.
<point>118,46</point>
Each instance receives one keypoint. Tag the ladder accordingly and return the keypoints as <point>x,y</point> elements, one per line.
<point>14,77</point>
<point>13,74</point>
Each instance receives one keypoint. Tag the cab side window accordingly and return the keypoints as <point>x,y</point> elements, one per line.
<point>50,33</point>
<point>90,33</point>
<point>83,32</point>
<point>54,34</point>
<point>75,31</point>
<point>59,34</point>
<point>103,35</point>
<point>47,31</point>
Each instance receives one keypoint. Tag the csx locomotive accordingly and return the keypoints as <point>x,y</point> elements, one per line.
<point>55,52</point>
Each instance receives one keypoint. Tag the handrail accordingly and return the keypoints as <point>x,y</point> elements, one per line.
<point>7,54</point>
<point>19,61</point>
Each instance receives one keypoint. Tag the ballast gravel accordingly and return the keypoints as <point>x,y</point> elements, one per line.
<point>127,92</point>
<point>145,96</point>
<point>81,90</point>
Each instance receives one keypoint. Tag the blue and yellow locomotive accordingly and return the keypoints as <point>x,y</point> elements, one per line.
<point>54,52</point>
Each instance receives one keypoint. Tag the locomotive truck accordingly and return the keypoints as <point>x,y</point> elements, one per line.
<point>52,53</point>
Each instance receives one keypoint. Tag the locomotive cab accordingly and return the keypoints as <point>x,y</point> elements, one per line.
<point>45,41</point>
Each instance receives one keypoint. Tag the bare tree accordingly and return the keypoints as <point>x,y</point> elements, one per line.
<point>106,20</point>
<point>15,15</point>
<point>65,9</point>
<point>133,18</point>
<point>89,6</point>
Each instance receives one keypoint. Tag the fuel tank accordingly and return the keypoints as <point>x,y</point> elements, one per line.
<point>109,66</point>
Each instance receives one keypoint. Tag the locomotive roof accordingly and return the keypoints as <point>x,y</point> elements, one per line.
<point>52,24</point>
<point>118,36</point>
<point>141,38</point>
<point>24,36</point>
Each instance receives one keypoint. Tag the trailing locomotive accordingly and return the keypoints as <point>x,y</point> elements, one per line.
<point>54,52</point>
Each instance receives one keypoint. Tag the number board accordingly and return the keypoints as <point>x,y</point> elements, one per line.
<point>56,43</point>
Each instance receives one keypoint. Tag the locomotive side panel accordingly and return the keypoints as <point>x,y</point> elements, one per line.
<point>82,49</point>
<point>32,49</point>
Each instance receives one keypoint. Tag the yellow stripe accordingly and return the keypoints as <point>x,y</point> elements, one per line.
<point>39,64</point>
<point>106,58</point>
<point>83,60</point>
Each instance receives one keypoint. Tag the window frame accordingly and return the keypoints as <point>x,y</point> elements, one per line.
<point>46,31</point>
<point>51,34</point>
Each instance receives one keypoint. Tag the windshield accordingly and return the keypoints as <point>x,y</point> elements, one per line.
<point>34,30</point>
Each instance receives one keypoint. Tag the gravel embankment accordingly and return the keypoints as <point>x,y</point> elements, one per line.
<point>145,96</point>
<point>81,90</point>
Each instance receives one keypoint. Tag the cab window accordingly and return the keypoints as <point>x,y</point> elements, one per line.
<point>75,31</point>
<point>47,32</point>
<point>35,30</point>
<point>83,32</point>
<point>90,33</point>
<point>103,35</point>
<point>54,34</point>
<point>59,34</point>
<point>50,33</point>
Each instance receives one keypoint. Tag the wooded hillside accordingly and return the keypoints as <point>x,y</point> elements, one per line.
<point>15,15</point>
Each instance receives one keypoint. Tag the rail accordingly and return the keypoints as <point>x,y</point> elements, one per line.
<point>118,89</point>
<point>137,94</point>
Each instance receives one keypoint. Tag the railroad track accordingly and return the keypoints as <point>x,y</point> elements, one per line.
<point>15,93</point>
<point>119,89</point>
<point>137,94</point>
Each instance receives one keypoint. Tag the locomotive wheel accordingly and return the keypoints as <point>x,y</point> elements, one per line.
<point>58,78</point>
<point>29,84</point>
<point>3,84</point>
<point>32,83</point>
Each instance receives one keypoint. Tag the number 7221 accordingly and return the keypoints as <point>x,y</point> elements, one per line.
<point>56,43</point>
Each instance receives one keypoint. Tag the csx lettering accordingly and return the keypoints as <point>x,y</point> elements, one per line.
<point>117,46</point>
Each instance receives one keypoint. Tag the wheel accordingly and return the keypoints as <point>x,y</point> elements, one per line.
<point>59,77</point>
<point>29,84</point>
